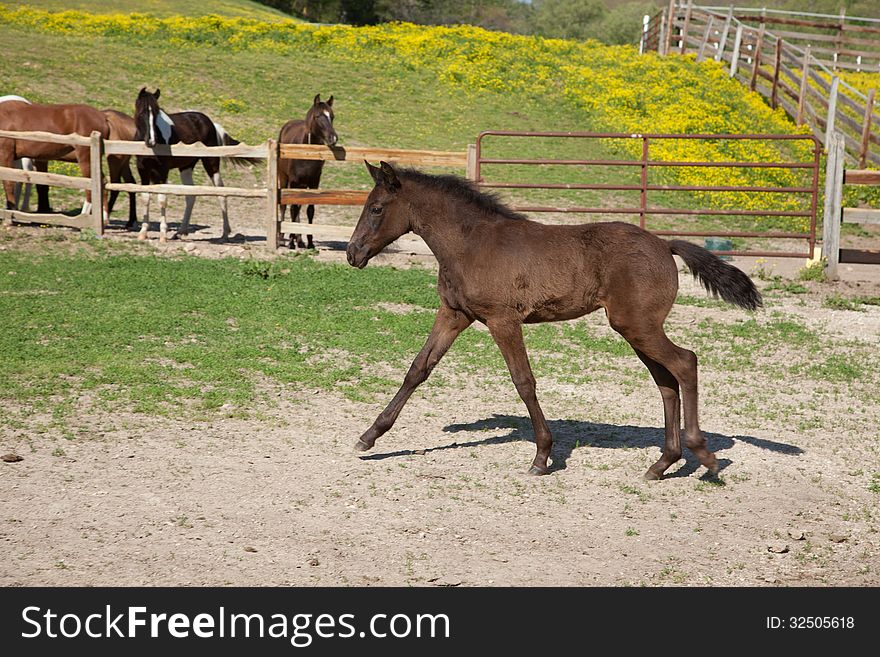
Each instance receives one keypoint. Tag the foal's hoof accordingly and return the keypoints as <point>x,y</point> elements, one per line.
<point>535,471</point>
<point>650,475</point>
<point>712,466</point>
<point>361,446</point>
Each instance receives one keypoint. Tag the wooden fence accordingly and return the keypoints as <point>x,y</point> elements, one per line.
<point>836,177</point>
<point>354,155</point>
<point>94,184</point>
<point>274,197</point>
<point>792,70</point>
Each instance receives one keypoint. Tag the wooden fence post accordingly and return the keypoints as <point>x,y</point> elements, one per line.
<point>777,62</point>
<point>832,109</point>
<point>668,40</point>
<point>722,41</point>
<point>661,38</point>
<point>838,36</point>
<point>705,41</point>
<point>643,42</point>
<point>96,151</point>
<point>472,162</point>
<point>684,28</point>
<point>272,195</point>
<point>802,96</point>
<point>833,202</point>
<point>757,58</point>
<point>737,44</point>
<point>866,129</point>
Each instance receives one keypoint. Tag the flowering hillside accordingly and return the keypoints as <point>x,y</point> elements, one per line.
<point>614,88</point>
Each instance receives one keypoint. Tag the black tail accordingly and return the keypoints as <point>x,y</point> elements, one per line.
<point>717,276</point>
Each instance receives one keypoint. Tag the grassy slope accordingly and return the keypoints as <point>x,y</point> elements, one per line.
<point>389,100</point>
<point>244,8</point>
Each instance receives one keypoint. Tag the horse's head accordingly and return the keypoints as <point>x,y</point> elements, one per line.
<point>319,121</point>
<point>147,119</point>
<point>385,217</point>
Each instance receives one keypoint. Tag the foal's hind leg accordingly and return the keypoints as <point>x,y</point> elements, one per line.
<point>668,386</point>
<point>447,326</point>
<point>651,340</point>
<point>508,336</point>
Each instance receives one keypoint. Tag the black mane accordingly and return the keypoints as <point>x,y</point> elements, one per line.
<point>462,189</point>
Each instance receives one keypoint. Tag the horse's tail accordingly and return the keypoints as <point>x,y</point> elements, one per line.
<point>718,277</point>
<point>224,139</point>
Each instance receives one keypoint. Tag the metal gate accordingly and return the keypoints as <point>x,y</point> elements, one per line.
<point>645,164</point>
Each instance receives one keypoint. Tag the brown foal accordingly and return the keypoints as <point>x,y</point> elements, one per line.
<point>499,268</point>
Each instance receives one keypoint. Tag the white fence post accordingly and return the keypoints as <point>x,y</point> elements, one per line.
<point>833,201</point>
<point>96,151</point>
<point>737,43</point>
<point>832,109</point>
<point>722,41</point>
<point>272,195</point>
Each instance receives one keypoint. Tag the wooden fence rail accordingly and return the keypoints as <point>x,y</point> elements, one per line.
<point>798,77</point>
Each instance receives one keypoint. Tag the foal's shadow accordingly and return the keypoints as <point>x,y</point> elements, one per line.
<point>569,435</point>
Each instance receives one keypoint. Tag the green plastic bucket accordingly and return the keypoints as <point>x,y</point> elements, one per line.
<point>719,244</point>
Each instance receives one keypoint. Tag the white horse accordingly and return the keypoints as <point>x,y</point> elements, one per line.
<point>22,201</point>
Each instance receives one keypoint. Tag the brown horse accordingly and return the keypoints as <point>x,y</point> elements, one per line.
<point>122,128</point>
<point>499,268</point>
<point>57,119</point>
<point>317,128</point>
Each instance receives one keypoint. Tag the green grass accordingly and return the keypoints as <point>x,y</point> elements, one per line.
<point>840,302</point>
<point>168,335</point>
<point>156,333</point>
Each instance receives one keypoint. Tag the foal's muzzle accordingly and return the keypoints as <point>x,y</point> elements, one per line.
<point>356,256</point>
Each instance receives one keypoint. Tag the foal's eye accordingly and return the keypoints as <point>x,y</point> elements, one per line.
<point>376,209</point>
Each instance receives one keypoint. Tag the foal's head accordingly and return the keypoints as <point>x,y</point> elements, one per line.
<point>319,121</point>
<point>153,125</point>
<point>385,217</point>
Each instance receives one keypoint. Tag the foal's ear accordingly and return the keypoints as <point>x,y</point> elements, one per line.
<point>330,100</point>
<point>375,173</point>
<point>389,177</point>
<point>317,99</point>
<point>157,93</point>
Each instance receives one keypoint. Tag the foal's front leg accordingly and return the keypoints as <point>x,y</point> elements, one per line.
<point>447,326</point>
<point>507,334</point>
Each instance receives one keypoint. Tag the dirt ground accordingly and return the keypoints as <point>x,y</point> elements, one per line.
<point>443,499</point>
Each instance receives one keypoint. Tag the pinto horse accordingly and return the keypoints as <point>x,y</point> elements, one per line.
<point>317,128</point>
<point>155,126</point>
<point>58,119</point>
<point>499,268</point>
